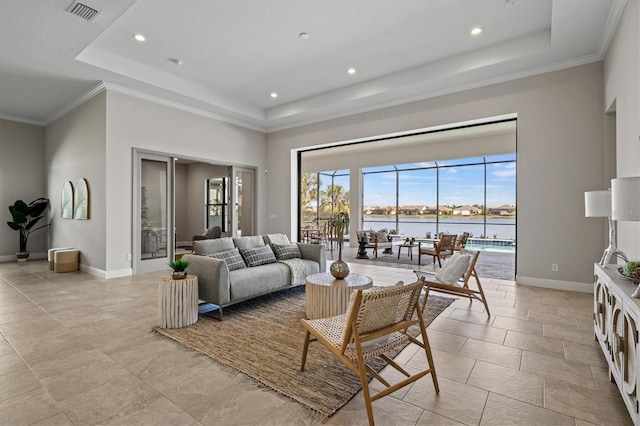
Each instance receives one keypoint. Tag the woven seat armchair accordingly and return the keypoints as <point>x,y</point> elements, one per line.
<point>376,322</point>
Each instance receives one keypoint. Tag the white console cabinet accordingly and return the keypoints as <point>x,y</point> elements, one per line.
<point>616,316</point>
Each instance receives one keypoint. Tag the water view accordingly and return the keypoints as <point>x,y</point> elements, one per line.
<point>496,228</point>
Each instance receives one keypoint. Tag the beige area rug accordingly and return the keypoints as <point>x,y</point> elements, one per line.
<point>263,339</point>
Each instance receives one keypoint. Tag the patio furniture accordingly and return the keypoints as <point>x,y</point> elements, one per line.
<point>454,277</point>
<point>461,241</point>
<point>377,240</point>
<point>375,323</point>
<point>440,250</point>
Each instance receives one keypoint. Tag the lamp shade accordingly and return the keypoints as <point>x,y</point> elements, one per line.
<point>625,198</point>
<point>597,203</point>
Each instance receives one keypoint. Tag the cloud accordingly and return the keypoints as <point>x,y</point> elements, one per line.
<point>507,172</point>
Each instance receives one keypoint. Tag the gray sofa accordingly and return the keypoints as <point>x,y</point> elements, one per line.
<point>232,270</point>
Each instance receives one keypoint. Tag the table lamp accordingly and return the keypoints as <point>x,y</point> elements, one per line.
<point>625,204</point>
<point>598,204</point>
<point>625,198</point>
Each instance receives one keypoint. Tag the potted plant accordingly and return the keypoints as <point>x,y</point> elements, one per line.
<point>24,217</point>
<point>179,267</point>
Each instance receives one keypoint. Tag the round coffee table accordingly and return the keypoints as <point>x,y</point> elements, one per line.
<point>328,297</point>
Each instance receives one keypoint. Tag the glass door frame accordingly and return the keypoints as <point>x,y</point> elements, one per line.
<point>140,265</point>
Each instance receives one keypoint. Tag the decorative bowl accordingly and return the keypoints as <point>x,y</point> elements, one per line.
<point>621,273</point>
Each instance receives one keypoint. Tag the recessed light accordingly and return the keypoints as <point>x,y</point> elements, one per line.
<point>509,3</point>
<point>476,31</point>
<point>139,37</point>
<point>303,35</point>
<point>274,95</point>
<point>351,71</point>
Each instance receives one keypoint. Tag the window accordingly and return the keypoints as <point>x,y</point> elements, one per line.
<point>475,195</point>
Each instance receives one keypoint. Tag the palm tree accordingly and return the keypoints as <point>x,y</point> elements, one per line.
<point>334,200</point>
<point>309,184</point>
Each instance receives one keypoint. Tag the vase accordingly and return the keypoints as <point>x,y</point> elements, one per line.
<point>339,269</point>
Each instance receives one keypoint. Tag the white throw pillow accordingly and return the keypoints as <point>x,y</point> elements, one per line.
<point>454,268</point>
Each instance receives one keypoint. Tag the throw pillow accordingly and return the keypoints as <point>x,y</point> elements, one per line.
<point>276,239</point>
<point>454,268</point>
<point>232,258</point>
<point>258,256</point>
<point>286,251</point>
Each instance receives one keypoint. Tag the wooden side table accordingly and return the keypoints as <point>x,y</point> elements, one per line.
<point>409,249</point>
<point>327,297</point>
<point>177,302</point>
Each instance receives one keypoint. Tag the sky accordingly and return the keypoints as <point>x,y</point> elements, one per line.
<point>459,185</point>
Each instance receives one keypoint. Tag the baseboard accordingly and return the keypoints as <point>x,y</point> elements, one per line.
<point>106,274</point>
<point>555,284</point>
<point>12,257</point>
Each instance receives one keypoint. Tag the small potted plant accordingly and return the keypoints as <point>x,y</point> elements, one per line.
<point>24,217</point>
<point>179,267</point>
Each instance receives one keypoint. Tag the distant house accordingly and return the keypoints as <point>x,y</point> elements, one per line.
<point>466,211</point>
<point>412,210</point>
<point>444,210</point>
<point>504,210</point>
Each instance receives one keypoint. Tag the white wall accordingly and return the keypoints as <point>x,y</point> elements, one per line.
<point>75,148</point>
<point>135,123</point>
<point>559,147</point>
<point>622,88</point>
<point>22,176</point>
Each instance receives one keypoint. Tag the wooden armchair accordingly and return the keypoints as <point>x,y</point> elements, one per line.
<point>378,240</point>
<point>461,241</point>
<point>440,250</point>
<point>454,279</point>
<point>375,323</point>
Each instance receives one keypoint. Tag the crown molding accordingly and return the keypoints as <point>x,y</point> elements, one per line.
<point>615,13</point>
<point>75,103</point>
<point>21,120</point>
<point>530,72</point>
<point>180,106</point>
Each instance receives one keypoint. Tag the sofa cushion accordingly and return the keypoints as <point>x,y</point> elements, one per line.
<point>205,247</point>
<point>286,251</point>
<point>251,282</point>
<point>258,256</point>
<point>249,242</point>
<point>232,258</point>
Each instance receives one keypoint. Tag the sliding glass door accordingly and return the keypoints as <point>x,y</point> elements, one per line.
<point>153,216</point>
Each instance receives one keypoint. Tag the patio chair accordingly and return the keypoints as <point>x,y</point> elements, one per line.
<point>375,323</point>
<point>440,250</point>
<point>454,277</point>
<point>461,241</point>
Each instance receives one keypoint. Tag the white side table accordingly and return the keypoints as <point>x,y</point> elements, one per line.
<point>326,297</point>
<point>177,302</point>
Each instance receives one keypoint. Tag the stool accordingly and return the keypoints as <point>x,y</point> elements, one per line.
<point>50,255</point>
<point>65,260</point>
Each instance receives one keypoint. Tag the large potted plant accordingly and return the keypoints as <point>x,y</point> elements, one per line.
<point>24,217</point>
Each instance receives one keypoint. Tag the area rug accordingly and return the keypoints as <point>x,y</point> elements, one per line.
<point>263,339</point>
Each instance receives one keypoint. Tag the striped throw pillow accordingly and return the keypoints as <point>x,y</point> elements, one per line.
<point>286,251</point>
<point>258,256</point>
<point>232,258</point>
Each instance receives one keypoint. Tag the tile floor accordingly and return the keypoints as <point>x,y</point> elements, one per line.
<point>75,349</point>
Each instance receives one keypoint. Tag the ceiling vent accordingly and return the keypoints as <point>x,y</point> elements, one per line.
<point>82,10</point>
